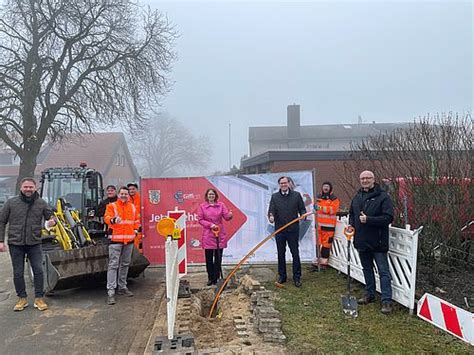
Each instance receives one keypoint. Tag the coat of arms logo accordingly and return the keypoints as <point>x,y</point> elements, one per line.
<point>154,196</point>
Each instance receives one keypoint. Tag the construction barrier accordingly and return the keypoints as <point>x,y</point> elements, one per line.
<point>180,217</point>
<point>402,258</point>
<point>447,317</point>
<point>172,283</point>
<point>174,229</point>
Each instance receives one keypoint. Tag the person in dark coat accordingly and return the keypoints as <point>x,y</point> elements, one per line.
<point>24,214</point>
<point>111,197</point>
<point>286,205</point>
<point>371,213</point>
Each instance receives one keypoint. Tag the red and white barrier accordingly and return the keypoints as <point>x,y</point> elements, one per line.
<point>448,317</point>
<point>180,218</point>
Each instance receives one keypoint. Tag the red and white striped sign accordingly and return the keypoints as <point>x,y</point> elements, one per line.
<point>180,218</point>
<point>448,317</point>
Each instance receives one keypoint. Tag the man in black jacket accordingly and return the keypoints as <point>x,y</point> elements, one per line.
<point>111,197</point>
<point>370,214</point>
<point>286,205</point>
<point>24,214</point>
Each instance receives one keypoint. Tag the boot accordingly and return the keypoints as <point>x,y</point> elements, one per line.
<point>110,300</point>
<point>21,304</point>
<point>40,304</point>
<point>386,308</point>
<point>125,292</point>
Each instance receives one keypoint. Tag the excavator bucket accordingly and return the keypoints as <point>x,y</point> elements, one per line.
<point>78,267</point>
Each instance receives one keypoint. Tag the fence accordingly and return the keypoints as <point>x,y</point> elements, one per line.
<point>402,259</point>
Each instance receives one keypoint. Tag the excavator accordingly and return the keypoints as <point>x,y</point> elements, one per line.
<point>76,249</point>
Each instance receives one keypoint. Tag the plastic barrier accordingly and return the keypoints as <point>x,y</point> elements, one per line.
<point>448,317</point>
<point>173,229</point>
<point>172,283</point>
<point>180,218</point>
<point>402,258</point>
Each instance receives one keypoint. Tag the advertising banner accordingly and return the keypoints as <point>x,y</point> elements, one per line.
<point>247,196</point>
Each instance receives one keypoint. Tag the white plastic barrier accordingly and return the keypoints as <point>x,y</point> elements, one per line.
<point>402,258</point>
<point>172,283</point>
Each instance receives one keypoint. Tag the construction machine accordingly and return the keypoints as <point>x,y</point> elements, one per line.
<point>76,249</point>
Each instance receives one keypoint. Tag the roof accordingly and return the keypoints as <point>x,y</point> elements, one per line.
<point>293,155</point>
<point>97,150</point>
<point>325,132</point>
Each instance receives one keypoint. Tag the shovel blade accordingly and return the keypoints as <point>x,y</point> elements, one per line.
<point>349,306</point>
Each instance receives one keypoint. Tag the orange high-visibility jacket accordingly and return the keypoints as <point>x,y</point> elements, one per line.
<point>136,201</point>
<point>123,232</point>
<point>327,209</point>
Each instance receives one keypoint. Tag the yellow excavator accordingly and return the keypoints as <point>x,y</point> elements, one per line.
<point>76,249</point>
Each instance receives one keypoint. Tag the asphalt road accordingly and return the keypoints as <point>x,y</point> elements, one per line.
<point>78,320</point>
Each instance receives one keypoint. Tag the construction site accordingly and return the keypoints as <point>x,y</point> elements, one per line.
<point>228,177</point>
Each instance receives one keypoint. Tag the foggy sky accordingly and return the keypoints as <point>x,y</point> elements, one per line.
<point>243,62</point>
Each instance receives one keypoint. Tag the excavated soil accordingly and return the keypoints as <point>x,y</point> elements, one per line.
<point>219,334</point>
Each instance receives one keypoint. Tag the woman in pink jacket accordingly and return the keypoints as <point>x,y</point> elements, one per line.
<point>214,238</point>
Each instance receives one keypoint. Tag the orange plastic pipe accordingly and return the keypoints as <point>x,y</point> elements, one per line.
<point>244,259</point>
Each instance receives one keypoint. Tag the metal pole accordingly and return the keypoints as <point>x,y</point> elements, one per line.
<point>318,251</point>
<point>230,148</point>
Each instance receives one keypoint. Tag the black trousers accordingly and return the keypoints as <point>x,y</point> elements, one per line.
<point>35,258</point>
<point>292,240</point>
<point>213,263</point>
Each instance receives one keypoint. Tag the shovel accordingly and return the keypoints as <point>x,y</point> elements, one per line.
<point>220,277</point>
<point>349,303</point>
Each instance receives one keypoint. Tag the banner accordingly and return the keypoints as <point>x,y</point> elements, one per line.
<point>247,196</point>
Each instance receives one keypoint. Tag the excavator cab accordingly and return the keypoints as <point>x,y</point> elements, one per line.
<point>81,188</point>
<point>76,249</point>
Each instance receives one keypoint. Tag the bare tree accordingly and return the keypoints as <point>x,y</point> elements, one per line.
<point>168,148</point>
<point>428,169</point>
<point>72,65</point>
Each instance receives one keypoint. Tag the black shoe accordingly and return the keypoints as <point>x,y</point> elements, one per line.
<point>125,292</point>
<point>386,308</point>
<point>365,300</point>
<point>110,300</point>
<point>281,280</point>
<point>297,283</point>
<point>209,283</point>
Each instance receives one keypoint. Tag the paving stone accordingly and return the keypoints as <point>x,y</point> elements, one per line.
<point>209,351</point>
<point>267,312</point>
<point>236,349</point>
<point>240,327</point>
<point>242,334</point>
<point>274,338</point>
<point>270,321</point>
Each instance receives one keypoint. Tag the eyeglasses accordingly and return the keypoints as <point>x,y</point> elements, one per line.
<point>367,178</point>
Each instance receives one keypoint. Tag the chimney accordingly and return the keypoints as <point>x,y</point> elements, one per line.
<point>293,121</point>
